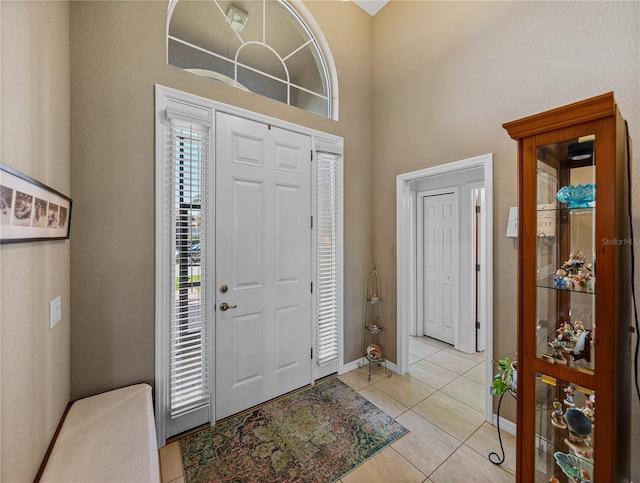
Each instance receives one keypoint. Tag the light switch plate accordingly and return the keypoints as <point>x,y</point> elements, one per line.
<point>55,311</point>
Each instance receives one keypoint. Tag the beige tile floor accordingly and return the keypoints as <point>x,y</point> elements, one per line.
<point>441,402</point>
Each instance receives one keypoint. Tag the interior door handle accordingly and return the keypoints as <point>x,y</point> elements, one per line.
<point>225,306</point>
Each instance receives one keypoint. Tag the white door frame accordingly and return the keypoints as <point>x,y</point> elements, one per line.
<point>406,295</point>
<point>478,292</point>
<point>201,108</point>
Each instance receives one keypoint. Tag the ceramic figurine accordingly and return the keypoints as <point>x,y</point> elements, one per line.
<point>556,415</point>
<point>585,476</point>
<point>588,412</point>
<point>558,346</point>
<point>584,272</point>
<point>568,395</point>
<point>579,425</point>
<point>591,402</point>
<point>582,349</point>
<point>575,261</point>
<point>580,428</point>
<point>575,274</point>
<point>374,351</point>
<point>589,409</point>
<point>565,332</point>
<point>558,279</point>
<point>577,469</point>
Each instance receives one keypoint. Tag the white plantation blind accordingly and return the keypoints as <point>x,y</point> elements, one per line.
<point>188,161</point>
<point>329,252</point>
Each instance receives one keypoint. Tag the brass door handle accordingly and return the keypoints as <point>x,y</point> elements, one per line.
<point>225,306</point>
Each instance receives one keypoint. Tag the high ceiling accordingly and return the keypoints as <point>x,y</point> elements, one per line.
<point>371,6</point>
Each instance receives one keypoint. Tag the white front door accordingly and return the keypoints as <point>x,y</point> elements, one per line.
<point>263,263</point>
<point>440,266</point>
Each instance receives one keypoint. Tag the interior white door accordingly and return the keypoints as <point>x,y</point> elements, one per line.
<point>263,257</point>
<point>440,266</point>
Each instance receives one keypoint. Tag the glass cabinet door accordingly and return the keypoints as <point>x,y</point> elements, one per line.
<point>565,307</point>
<point>565,245</point>
<point>565,416</point>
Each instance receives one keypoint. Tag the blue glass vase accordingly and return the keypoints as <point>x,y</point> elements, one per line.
<point>581,196</point>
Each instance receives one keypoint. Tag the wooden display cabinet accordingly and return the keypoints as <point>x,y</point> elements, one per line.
<point>574,294</point>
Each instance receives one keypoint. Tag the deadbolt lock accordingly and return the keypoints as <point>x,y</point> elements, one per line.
<point>223,288</point>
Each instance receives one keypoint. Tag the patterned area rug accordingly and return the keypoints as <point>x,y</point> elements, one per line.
<point>314,435</point>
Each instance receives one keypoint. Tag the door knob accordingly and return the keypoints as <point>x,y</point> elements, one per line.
<point>225,306</point>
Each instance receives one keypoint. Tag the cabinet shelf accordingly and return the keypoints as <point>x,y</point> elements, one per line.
<point>573,291</point>
<point>583,210</point>
<point>573,345</point>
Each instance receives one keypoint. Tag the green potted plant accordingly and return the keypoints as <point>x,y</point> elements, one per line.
<point>507,377</point>
<point>505,381</point>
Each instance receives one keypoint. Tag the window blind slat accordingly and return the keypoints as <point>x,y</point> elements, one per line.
<point>188,156</point>
<point>328,234</point>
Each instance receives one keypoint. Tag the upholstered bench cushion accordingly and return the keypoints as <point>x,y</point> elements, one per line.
<point>107,437</point>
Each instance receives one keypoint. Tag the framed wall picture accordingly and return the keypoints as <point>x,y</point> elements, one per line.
<point>30,210</point>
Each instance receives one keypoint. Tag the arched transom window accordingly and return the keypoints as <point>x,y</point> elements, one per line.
<point>264,46</point>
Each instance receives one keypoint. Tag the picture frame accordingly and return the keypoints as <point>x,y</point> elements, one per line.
<point>31,210</point>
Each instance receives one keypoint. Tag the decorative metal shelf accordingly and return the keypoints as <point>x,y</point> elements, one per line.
<point>373,323</point>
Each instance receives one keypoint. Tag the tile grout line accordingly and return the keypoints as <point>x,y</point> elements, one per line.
<point>456,399</point>
<point>477,452</point>
<point>409,463</point>
<point>462,443</point>
<point>370,384</point>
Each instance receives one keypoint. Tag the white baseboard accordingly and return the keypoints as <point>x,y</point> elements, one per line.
<point>505,425</point>
<point>350,366</point>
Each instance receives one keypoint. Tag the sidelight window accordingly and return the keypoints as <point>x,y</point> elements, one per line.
<point>188,166</point>
<point>328,254</point>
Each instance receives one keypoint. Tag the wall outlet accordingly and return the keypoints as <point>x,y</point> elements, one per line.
<point>55,311</point>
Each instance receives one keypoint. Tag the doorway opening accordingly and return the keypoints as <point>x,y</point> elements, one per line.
<point>480,189</point>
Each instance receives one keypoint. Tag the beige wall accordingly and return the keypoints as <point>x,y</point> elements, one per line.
<point>35,140</point>
<point>117,55</point>
<point>447,75</point>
